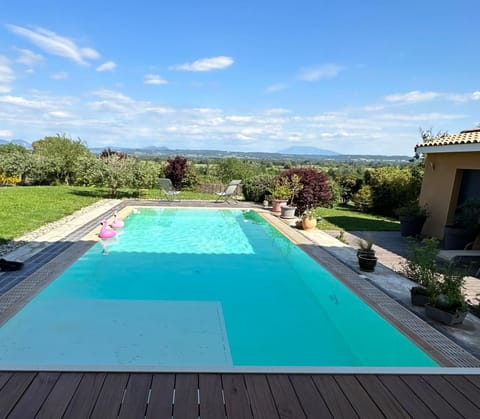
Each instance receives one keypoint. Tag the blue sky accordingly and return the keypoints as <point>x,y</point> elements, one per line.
<point>349,76</point>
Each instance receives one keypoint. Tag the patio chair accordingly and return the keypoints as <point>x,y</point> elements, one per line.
<point>229,192</point>
<point>167,189</point>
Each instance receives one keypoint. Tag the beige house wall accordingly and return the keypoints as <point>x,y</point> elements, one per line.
<point>441,185</point>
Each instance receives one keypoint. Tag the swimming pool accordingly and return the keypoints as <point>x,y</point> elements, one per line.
<point>197,288</point>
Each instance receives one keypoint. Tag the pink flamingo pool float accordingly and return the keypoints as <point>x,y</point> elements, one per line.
<point>117,221</point>
<point>105,232</point>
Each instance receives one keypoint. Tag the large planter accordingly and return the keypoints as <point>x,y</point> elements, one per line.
<point>287,211</point>
<point>367,263</point>
<point>411,225</point>
<point>419,296</point>
<point>277,204</point>
<point>455,237</point>
<point>309,223</point>
<point>444,316</point>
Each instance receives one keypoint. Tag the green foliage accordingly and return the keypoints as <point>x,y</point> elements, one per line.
<point>446,291</point>
<point>114,172</point>
<point>392,187</point>
<point>56,159</point>
<point>257,188</point>
<point>413,210</point>
<point>421,263</point>
<point>336,194</point>
<point>349,184</point>
<point>363,199</point>
<point>233,168</point>
<point>15,161</point>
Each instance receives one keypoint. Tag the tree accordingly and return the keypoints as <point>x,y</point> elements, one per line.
<point>57,158</point>
<point>176,170</point>
<point>233,168</point>
<point>15,160</point>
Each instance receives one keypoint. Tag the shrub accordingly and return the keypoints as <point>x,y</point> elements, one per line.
<point>176,170</point>
<point>420,265</point>
<point>315,191</point>
<point>233,168</point>
<point>363,199</point>
<point>256,188</point>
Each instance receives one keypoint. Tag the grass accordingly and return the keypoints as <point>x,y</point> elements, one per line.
<point>345,217</point>
<point>26,208</point>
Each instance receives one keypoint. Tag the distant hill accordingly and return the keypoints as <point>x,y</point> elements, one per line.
<point>18,142</point>
<point>306,151</point>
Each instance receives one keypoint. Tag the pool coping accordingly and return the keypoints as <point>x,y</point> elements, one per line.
<point>452,357</point>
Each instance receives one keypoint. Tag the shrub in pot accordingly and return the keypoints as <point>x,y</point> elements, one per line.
<point>447,303</point>
<point>421,268</point>
<point>309,219</point>
<point>412,218</point>
<point>366,256</point>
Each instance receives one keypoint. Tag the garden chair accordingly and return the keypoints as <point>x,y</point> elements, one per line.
<point>229,192</point>
<point>167,189</point>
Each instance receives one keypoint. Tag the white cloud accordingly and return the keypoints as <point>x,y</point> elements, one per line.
<point>107,66</point>
<point>276,87</point>
<point>205,64</point>
<point>325,71</point>
<point>154,79</point>
<point>433,116</point>
<point>414,96</point>
<point>25,103</point>
<point>59,76</point>
<point>29,58</point>
<point>476,95</point>
<point>55,44</point>
<point>6,75</point>
<point>5,133</point>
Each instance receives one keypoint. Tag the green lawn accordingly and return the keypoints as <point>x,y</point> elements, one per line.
<point>26,208</point>
<point>345,217</point>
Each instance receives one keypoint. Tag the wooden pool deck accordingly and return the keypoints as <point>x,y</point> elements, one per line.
<point>211,396</point>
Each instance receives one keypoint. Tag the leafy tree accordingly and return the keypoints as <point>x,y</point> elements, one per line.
<point>315,190</point>
<point>15,160</point>
<point>233,168</point>
<point>57,158</point>
<point>114,172</point>
<point>256,188</point>
<point>176,170</point>
<point>349,184</point>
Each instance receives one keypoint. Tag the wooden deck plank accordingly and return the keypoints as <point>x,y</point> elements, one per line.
<point>474,379</point>
<point>406,397</point>
<point>35,395</point>
<point>13,390</point>
<point>261,399</point>
<point>4,377</point>
<point>110,397</point>
<point>236,398</point>
<point>160,405</point>
<point>285,397</point>
<point>85,396</point>
<point>57,401</point>
<point>312,402</point>
<point>466,387</point>
<point>359,398</point>
<point>456,399</point>
<point>186,396</point>
<point>136,396</point>
<point>336,401</point>
<point>385,401</point>
<point>211,399</point>
<point>430,397</point>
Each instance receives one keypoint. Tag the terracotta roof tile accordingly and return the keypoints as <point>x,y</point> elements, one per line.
<point>468,136</point>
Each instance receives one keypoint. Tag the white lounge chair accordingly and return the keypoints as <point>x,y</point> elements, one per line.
<point>229,192</point>
<point>167,189</point>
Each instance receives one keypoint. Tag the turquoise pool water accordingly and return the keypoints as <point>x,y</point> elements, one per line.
<point>184,287</point>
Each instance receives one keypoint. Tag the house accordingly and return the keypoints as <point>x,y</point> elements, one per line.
<point>452,175</point>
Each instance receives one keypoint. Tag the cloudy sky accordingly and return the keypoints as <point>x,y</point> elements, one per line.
<point>250,75</point>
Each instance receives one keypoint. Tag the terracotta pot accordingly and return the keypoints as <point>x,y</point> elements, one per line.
<point>309,223</point>
<point>277,204</point>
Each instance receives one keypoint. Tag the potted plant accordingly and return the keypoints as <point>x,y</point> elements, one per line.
<point>412,218</point>
<point>447,302</point>
<point>420,267</point>
<point>466,226</point>
<point>294,185</point>
<point>280,192</point>
<point>309,219</point>
<point>366,255</point>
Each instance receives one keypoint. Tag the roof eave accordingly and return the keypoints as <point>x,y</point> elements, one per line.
<point>449,148</point>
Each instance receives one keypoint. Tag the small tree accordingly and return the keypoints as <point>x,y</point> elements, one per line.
<point>176,170</point>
